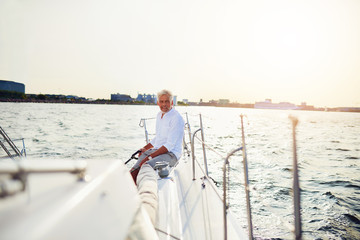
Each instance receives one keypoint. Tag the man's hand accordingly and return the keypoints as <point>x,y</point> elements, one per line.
<point>142,150</point>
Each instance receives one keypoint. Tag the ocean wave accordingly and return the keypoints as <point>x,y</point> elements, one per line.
<point>352,218</point>
<point>330,195</point>
<point>343,226</point>
<point>334,183</point>
<point>342,149</point>
<point>350,185</point>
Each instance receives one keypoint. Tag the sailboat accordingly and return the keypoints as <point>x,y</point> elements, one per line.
<point>97,199</point>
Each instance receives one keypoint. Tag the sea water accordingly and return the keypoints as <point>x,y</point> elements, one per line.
<point>328,155</point>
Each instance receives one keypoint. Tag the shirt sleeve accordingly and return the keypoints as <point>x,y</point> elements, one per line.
<point>176,133</point>
<point>153,140</point>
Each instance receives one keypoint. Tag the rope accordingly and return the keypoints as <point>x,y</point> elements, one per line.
<point>168,234</point>
<point>209,147</point>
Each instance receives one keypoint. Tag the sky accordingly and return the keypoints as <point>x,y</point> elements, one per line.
<point>244,51</point>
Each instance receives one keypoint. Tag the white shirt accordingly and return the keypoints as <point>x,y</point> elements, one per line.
<point>169,132</point>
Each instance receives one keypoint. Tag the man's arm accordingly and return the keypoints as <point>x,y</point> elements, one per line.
<point>146,147</point>
<point>158,152</point>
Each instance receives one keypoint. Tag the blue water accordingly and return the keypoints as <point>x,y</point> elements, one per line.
<point>328,154</point>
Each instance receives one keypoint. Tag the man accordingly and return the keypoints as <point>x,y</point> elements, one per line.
<point>167,144</point>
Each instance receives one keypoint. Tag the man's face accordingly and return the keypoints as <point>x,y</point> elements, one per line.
<point>164,103</point>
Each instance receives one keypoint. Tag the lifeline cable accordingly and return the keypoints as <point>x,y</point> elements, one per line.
<point>168,234</point>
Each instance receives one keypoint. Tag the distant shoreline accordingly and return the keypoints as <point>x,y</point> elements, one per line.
<point>13,96</point>
<point>109,102</point>
<point>72,101</point>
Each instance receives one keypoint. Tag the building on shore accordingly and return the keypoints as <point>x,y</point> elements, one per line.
<point>12,86</point>
<point>121,97</point>
<point>348,109</point>
<point>223,101</point>
<point>304,106</point>
<point>268,104</point>
<point>146,98</point>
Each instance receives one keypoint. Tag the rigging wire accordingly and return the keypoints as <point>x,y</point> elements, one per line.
<point>168,234</point>
<point>253,189</point>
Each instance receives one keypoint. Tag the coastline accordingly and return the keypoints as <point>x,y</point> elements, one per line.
<point>229,105</point>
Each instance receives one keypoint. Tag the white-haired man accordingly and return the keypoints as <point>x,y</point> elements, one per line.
<point>166,146</point>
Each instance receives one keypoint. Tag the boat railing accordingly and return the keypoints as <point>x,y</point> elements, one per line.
<point>192,136</point>
<point>296,184</point>
<point>226,179</point>
<point>14,173</point>
<point>296,229</point>
<point>226,172</point>
<point>187,150</point>
<point>142,123</point>
<point>192,143</point>
<point>9,146</point>
<point>23,149</point>
<point>226,176</point>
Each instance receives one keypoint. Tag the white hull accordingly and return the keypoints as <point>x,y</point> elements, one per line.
<point>58,206</point>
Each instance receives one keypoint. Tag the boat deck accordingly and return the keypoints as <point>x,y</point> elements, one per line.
<point>192,209</point>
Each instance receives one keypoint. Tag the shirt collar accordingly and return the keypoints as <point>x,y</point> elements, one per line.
<point>163,114</point>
